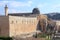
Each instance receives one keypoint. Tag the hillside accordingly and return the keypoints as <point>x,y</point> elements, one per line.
<point>54,16</point>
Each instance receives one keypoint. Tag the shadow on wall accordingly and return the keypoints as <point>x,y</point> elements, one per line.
<point>39,27</point>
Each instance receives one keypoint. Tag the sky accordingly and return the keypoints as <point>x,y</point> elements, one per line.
<point>21,6</point>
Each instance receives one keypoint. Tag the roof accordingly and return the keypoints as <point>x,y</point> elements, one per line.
<point>23,14</point>
<point>34,13</point>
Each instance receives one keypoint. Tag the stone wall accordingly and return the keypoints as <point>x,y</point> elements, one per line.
<point>22,25</point>
<point>4,26</point>
<point>58,25</point>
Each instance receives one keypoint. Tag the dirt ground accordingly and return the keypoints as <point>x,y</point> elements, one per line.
<point>31,38</point>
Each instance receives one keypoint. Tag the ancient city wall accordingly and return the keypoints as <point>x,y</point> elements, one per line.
<point>4,26</point>
<point>22,25</point>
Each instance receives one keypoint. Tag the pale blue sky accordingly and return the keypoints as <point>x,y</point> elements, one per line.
<point>45,6</point>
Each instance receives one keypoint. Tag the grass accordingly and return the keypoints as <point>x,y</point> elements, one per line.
<point>47,37</point>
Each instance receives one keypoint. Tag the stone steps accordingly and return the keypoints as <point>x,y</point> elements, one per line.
<point>56,36</point>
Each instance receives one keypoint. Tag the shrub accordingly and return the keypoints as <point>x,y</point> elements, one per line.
<point>42,35</point>
<point>6,38</point>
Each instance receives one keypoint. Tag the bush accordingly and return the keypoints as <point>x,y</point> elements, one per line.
<point>42,35</point>
<point>6,38</point>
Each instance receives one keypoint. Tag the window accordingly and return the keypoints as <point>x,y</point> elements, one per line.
<point>11,22</point>
<point>22,21</point>
<point>16,21</point>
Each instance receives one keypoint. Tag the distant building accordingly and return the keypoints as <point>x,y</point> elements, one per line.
<point>14,24</point>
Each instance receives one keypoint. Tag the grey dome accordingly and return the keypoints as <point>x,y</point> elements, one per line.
<point>35,11</point>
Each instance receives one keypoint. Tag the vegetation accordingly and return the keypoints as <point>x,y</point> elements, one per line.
<point>43,35</point>
<point>6,38</point>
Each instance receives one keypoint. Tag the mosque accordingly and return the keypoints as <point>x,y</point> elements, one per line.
<point>12,24</point>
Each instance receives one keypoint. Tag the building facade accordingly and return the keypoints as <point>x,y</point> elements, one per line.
<point>14,24</point>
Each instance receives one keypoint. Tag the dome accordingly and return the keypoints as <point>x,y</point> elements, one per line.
<point>35,11</point>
